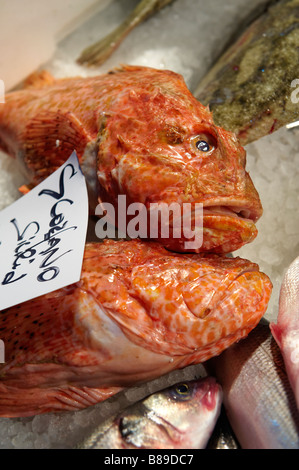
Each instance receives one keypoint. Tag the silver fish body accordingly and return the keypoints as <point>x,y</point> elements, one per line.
<point>286,331</point>
<point>257,396</point>
<point>180,417</point>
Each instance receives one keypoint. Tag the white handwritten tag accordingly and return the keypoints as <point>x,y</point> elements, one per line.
<point>42,236</point>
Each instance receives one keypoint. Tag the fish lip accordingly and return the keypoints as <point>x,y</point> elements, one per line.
<point>249,269</point>
<point>232,208</point>
<point>253,268</point>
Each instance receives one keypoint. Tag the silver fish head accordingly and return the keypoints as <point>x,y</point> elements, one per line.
<point>186,412</point>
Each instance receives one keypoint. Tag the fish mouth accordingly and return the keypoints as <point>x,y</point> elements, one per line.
<point>228,288</point>
<point>226,226</point>
<point>253,289</point>
<point>228,208</point>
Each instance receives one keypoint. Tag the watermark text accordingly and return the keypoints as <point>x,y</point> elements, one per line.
<point>156,221</point>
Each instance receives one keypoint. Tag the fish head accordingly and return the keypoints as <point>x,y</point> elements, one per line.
<point>183,309</point>
<point>188,411</point>
<point>160,145</point>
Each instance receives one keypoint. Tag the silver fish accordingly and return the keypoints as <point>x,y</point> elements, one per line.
<point>286,331</point>
<point>180,417</point>
<point>257,396</point>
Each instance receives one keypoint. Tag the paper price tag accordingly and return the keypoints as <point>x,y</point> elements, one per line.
<point>42,236</point>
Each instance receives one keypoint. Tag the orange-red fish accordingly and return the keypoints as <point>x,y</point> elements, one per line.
<point>139,311</point>
<point>138,132</point>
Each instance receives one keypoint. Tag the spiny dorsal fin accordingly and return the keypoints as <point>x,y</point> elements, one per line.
<point>38,79</point>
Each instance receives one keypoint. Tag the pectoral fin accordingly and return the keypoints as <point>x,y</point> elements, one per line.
<point>48,141</point>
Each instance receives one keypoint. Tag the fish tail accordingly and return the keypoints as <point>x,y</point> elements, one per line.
<point>16,402</point>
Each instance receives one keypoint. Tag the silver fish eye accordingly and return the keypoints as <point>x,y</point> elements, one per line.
<point>181,392</point>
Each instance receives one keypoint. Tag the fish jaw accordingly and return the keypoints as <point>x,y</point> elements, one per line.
<point>238,312</point>
<point>286,330</point>
<point>217,229</point>
<point>211,306</point>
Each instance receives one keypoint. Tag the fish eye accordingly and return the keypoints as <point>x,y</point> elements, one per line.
<point>181,392</point>
<point>203,143</point>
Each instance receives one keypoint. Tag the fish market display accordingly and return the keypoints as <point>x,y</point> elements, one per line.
<point>257,396</point>
<point>286,331</point>
<point>180,417</point>
<point>252,88</point>
<point>99,52</point>
<point>140,133</point>
<point>137,313</point>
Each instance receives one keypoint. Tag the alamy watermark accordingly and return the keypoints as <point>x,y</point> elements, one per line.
<point>158,220</point>
<point>295,93</point>
<point>2,92</point>
<point>2,352</point>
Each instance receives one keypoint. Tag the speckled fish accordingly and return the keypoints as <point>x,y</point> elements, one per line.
<point>257,395</point>
<point>286,330</point>
<point>252,87</point>
<point>138,132</point>
<point>181,417</point>
<point>138,312</point>
<point>97,53</point>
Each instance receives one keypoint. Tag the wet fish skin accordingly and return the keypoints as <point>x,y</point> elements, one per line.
<point>180,417</point>
<point>223,436</point>
<point>286,330</point>
<point>257,396</point>
<point>135,132</point>
<point>97,53</point>
<point>164,311</point>
<point>249,89</point>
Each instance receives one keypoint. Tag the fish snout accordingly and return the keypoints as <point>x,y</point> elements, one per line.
<point>221,227</point>
<point>209,392</point>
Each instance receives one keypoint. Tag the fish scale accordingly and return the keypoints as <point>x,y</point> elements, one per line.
<point>286,331</point>
<point>258,398</point>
